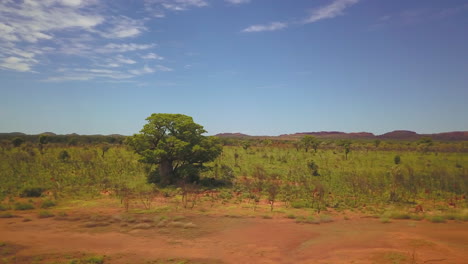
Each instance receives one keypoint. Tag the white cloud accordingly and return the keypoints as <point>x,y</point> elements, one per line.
<point>332,10</point>
<point>152,56</point>
<point>269,27</point>
<point>17,64</point>
<point>238,2</point>
<point>124,47</point>
<point>146,70</point>
<point>124,27</point>
<point>157,7</point>
<point>122,59</point>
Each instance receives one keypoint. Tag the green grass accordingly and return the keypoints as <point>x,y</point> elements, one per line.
<point>47,204</point>
<point>436,219</point>
<point>45,214</point>
<point>6,215</point>
<point>4,207</point>
<point>23,206</point>
<point>385,220</point>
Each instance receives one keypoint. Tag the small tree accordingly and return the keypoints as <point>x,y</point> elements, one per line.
<point>176,145</point>
<point>17,141</point>
<point>309,142</point>
<point>346,144</point>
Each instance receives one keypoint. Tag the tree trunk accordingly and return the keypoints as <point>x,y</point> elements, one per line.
<point>165,171</point>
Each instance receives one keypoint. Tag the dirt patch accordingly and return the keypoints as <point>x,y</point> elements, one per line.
<point>124,238</point>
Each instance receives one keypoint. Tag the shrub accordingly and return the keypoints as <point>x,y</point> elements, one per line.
<point>23,206</point>
<point>385,220</point>
<point>32,192</point>
<point>6,215</point>
<point>436,219</point>
<point>291,216</point>
<point>299,204</point>
<point>95,260</point>
<point>398,215</point>
<point>416,217</point>
<point>326,219</point>
<point>48,203</point>
<point>3,207</point>
<point>45,214</point>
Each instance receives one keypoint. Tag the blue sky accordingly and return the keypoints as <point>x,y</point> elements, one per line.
<point>261,67</point>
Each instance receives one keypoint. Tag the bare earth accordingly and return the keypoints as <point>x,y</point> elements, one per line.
<point>221,239</point>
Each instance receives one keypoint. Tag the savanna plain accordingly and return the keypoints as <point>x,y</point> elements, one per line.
<point>83,199</point>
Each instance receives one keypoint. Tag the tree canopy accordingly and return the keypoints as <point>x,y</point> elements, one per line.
<point>176,145</point>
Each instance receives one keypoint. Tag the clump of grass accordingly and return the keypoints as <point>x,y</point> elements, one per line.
<point>436,219</point>
<point>190,225</point>
<point>176,224</point>
<point>6,215</point>
<point>178,218</point>
<point>142,226</point>
<point>95,260</point>
<point>291,216</point>
<point>4,207</point>
<point>47,204</point>
<point>23,206</point>
<point>398,215</point>
<point>307,220</point>
<point>346,217</point>
<point>326,219</point>
<point>416,217</point>
<point>45,214</point>
<point>267,217</point>
<point>27,219</point>
<point>385,220</point>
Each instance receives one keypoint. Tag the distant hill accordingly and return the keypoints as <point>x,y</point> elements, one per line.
<point>394,135</point>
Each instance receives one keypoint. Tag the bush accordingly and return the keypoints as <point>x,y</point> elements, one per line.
<point>300,204</point>
<point>45,214</point>
<point>3,207</point>
<point>32,192</point>
<point>436,219</point>
<point>6,215</point>
<point>326,219</point>
<point>48,203</point>
<point>23,206</point>
<point>95,260</point>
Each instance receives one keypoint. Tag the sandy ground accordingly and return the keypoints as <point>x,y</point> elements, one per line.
<point>221,239</point>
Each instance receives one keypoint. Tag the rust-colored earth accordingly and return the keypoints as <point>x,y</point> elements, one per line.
<point>221,239</point>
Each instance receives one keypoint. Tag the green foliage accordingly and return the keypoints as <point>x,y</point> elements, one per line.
<point>175,143</point>
<point>436,218</point>
<point>4,207</point>
<point>17,141</point>
<point>313,168</point>
<point>64,156</point>
<point>45,214</point>
<point>32,192</point>
<point>47,204</point>
<point>6,215</point>
<point>23,206</point>
<point>310,142</point>
<point>95,260</point>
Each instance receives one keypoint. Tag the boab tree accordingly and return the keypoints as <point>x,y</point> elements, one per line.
<point>176,145</point>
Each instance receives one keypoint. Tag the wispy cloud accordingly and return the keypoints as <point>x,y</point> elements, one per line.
<point>157,7</point>
<point>152,56</point>
<point>124,27</point>
<point>238,2</point>
<point>268,27</point>
<point>418,15</point>
<point>17,63</point>
<point>334,9</point>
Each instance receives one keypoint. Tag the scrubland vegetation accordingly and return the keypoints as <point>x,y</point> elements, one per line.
<point>338,175</point>
<point>170,181</point>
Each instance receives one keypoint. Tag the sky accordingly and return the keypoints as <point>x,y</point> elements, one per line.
<point>260,67</point>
